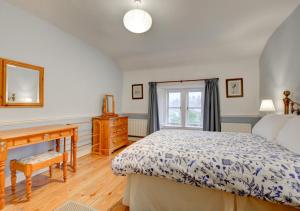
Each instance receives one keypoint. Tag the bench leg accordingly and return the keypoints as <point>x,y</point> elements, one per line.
<point>28,187</point>
<point>50,171</point>
<point>13,176</point>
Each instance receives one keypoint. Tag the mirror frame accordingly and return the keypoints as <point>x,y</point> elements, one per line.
<point>3,79</point>
<point>104,109</point>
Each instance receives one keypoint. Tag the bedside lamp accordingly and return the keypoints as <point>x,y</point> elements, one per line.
<point>267,106</point>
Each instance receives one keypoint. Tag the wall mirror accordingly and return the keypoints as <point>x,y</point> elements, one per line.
<point>109,106</point>
<point>22,85</point>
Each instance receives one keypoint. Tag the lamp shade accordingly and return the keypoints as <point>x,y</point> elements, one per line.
<point>137,21</point>
<point>267,105</point>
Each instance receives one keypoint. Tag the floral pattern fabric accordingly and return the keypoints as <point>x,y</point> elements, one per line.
<point>39,158</point>
<point>239,163</point>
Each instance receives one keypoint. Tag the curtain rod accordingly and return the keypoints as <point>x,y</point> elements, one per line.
<point>181,81</point>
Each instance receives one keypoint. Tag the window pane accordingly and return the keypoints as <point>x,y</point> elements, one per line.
<point>195,99</point>
<point>194,117</point>
<point>174,99</point>
<point>174,116</point>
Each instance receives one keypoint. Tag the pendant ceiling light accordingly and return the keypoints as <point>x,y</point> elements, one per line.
<point>137,20</point>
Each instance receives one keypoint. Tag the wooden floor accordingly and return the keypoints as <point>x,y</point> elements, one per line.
<point>94,184</point>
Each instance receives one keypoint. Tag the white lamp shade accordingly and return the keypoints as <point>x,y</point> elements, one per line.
<point>267,105</point>
<point>137,21</point>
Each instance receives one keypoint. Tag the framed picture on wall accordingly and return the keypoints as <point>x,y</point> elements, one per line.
<point>234,87</point>
<point>137,91</point>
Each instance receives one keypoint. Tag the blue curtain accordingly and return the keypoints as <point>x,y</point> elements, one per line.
<point>153,115</point>
<point>211,116</point>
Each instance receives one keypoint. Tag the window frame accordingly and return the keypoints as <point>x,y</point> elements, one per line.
<point>168,108</point>
<point>184,95</point>
<point>201,90</point>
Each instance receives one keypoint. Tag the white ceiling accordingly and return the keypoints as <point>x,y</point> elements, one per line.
<point>183,31</point>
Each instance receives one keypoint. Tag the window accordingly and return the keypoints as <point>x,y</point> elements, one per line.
<point>194,109</point>
<point>174,108</point>
<point>184,107</point>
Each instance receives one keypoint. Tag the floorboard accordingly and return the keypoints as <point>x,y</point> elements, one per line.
<point>94,184</point>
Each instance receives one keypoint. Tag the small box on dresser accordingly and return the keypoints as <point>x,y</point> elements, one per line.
<point>109,134</point>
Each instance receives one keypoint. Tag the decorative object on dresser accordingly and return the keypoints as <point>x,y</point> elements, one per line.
<point>11,139</point>
<point>234,87</point>
<point>110,131</point>
<point>21,84</point>
<point>108,108</point>
<point>137,91</point>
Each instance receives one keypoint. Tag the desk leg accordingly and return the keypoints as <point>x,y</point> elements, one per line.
<point>74,140</point>
<point>57,150</point>
<point>57,145</point>
<point>3,157</point>
<point>71,156</point>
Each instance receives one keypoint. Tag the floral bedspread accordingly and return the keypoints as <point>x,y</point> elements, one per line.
<point>239,163</point>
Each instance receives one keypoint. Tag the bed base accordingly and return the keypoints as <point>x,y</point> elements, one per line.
<point>145,193</point>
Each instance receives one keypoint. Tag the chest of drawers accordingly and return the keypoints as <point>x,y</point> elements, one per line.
<point>109,134</point>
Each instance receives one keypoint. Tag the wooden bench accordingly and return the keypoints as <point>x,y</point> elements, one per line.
<point>36,162</point>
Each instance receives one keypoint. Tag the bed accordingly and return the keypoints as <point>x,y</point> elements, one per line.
<point>194,170</point>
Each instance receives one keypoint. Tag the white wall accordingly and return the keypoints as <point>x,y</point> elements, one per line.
<point>280,63</point>
<point>247,69</point>
<point>76,75</point>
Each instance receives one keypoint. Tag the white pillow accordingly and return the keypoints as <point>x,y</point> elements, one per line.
<point>289,136</point>
<point>270,125</point>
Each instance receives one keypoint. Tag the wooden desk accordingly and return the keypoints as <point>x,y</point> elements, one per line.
<point>11,139</point>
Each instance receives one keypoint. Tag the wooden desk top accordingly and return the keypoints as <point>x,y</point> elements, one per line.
<point>16,133</point>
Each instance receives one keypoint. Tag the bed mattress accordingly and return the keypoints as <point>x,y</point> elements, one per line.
<point>239,163</point>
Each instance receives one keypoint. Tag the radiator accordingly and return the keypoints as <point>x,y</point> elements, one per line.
<point>137,127</point>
